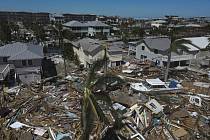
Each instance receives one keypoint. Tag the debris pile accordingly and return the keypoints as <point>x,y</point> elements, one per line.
<point>41,111</point>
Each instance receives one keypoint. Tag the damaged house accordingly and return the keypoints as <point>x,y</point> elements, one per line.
<point>90,50</point>
<point>156,49</point>
<point>24,59</point>
<point>202,44</point>
<point>115,53</point>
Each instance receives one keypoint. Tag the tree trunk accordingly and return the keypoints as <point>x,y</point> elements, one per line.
<point>168,65</point>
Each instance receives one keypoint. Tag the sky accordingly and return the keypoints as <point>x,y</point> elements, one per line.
<point>125,8</point>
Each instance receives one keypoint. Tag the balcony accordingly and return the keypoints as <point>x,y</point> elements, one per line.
<point>179,57</point>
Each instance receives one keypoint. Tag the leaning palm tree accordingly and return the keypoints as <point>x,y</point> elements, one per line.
<point>176,44</point>
<point>92,114</point>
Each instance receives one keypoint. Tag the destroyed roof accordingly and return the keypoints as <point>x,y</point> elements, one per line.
<point>89,46</point>
<point>199,42</point>
<point>159,43</point>
<point>21,51</point>
<point>155,81</point>
<point>115,48</point>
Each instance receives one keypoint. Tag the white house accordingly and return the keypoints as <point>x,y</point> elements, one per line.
<point>90,50</point>
<point>156,50</point>
<point>200,43</point>
<point>115,53</point>
<point>90,28</point>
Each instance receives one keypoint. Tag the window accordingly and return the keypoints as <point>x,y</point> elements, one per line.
<point>24,62</point>
<point>30,62</point>
<point>158,86</point>
<point>142,57</point>
<point>143,47</point>
<point>156,51</point>
<point>4,59</point>
<point>145,57</point>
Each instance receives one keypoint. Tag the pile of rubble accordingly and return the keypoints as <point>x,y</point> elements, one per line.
<point>42,111</point>
<point>51,109</point>
<point>168,116</point>
<point>165,116</point>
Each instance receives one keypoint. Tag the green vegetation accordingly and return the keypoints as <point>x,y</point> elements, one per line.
<point>38,32</point>
<point>5,32</point>
<point>137,32</point>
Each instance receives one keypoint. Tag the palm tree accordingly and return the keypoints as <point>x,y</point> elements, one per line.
<point>92,114</point>
<point>175,45</point>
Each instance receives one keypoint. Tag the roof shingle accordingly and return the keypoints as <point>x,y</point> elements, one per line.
<point>21,51</point>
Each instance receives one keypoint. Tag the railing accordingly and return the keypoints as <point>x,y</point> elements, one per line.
<point>179,57</point>
<point>79,31</point>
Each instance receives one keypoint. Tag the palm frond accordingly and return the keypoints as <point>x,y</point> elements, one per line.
<point>87,119</point>
<point>98,110</point>
<point>108,80</point>
<point>91,110</point>
<point>97,65</point>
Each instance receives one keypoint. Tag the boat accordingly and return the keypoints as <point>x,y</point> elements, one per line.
<point>156,86</point>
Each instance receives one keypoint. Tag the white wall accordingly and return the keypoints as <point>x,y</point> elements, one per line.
<point>162,58</point>
<point>84,59</point>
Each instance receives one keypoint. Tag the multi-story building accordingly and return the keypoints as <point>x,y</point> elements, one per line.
<point>42,18</point>
<point>57,18</point>
<point>79,17</point>
<point>90,28</point>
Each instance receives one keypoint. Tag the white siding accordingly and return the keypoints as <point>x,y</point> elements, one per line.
<point>162,58</point>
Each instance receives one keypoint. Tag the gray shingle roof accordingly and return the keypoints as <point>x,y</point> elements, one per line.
<point>21,51</point>
<point>86,24</point>
<point>74,24</point>
<point>90,46</point>
<point>96,24</point>
<point>159,43</point>
<point>115,48</point>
